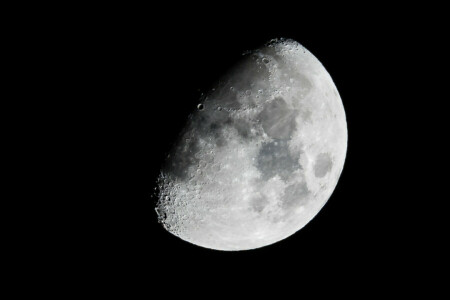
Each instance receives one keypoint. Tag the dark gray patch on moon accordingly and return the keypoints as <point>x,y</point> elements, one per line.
<point>221,123</point>
<point>228,97</point>
<point>243,128</point>
<point>295,195</point>
<point>278,120</point>
<point>323,165</point>
<point>259,203</point>
<point>274,159</point>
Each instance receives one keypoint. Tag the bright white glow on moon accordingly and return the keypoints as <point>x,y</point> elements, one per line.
<point>260,156</point>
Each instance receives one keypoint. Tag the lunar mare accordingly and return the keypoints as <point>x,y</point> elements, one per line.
<point>260,156</point>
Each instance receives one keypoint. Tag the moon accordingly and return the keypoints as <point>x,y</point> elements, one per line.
<point>259,156</point>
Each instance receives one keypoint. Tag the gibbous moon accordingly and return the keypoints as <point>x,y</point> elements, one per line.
<point>260,155</point>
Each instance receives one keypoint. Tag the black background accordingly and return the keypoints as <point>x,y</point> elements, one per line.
<point>142,73</point>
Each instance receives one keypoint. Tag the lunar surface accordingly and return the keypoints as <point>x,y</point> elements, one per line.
<point>260,155</point>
